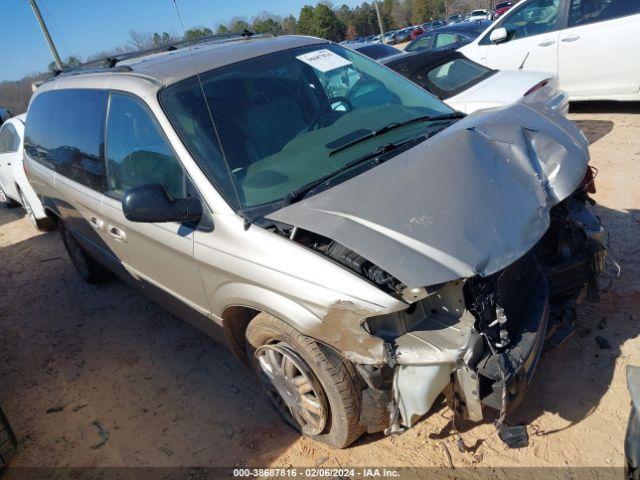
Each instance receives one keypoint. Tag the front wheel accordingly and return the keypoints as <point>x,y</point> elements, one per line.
<point>315,390</point>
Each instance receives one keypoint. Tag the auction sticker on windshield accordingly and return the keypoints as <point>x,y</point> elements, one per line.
<point>323,60</point>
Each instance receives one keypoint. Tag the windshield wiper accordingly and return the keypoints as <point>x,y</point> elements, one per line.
<point>299,193</point>
<point>393,126</point>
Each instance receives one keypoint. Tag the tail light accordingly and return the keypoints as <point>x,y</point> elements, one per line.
<point>589,181</point>
<point>24,167</point>
<point>537,87</point>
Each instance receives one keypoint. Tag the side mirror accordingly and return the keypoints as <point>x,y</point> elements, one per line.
<point>498,35</point>
<point>152,204</point>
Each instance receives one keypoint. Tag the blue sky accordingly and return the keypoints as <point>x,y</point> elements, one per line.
<point>83,27</point>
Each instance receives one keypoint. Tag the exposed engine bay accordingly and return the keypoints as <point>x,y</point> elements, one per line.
<point>476,339</point>
<point>484,244</point>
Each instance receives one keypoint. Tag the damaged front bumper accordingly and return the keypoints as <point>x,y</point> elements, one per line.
<point>479,340</point>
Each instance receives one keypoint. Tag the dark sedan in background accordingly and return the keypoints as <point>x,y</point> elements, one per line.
<point>449,37</point>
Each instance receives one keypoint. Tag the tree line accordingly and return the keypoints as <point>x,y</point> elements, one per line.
<point>323,20</point>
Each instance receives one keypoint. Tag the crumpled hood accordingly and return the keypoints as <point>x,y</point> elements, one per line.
<point>470,200</point>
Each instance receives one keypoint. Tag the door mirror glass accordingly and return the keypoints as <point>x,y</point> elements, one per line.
<point>152,204</point>
<point>498,35</point>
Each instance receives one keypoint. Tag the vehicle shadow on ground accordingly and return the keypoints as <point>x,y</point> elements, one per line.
<point>74,354</point>
<point>595,130</point>
<point>169,395</point>
<point>572,378</point>
<point>11,215</point>
<point>604,107</point>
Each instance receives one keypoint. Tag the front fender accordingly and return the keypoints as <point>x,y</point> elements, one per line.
<point>338,325</point>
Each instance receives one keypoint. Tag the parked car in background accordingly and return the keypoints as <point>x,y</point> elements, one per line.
<point>377,51</point>
<point>589,44</point>
<point>403,35</point>
<point>390,37</point>
<point>4,115</point>
<point>456,18</point>
<point>449,37</point>
<point>416,32</point>
<point>432,25</point>
<point>15,189</point>
<point>255,220</point>
<point>501,8</point>
<point>468,86</point>
<point>477,15</point>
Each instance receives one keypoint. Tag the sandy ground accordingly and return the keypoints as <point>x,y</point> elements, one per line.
<point>101,376</point>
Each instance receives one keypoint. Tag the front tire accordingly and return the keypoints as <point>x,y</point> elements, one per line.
<point>89,269</point>
<point>314,389</point>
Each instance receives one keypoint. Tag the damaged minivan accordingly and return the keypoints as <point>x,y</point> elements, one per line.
<point>359,244</point>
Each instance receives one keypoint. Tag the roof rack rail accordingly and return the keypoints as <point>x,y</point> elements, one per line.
<point>111,62</point>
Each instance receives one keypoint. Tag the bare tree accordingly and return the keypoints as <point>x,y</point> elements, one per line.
<point>140,40</point>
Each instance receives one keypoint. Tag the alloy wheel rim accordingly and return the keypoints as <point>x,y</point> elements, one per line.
<point>292,387</point>
<point>3,197</point>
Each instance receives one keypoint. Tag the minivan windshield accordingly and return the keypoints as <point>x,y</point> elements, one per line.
<point>266,127</point>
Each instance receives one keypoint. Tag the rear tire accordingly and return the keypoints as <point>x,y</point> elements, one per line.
<point>329,380</point>
<point>88,268</point>
<point>43,224</point>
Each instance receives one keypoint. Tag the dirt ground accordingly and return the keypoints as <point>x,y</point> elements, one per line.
<point>101,376</point>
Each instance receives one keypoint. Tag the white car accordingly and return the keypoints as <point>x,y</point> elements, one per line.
<point>15,189</point>
<point>589,44</point>
<point>468,86</point>
<point>477,15</point>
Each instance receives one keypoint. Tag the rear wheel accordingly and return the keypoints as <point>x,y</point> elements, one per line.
<point>40,223</point>
<point>315,390</point>
<point>5,201</point>
<point>89,269</point>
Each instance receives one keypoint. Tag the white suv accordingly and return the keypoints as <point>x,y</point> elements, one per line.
<point>591,45</point>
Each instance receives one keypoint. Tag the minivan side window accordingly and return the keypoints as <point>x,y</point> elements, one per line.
<point>9,139</point>
<point>77,136</point>
<point>533,18</point>
<point>583,12</point>
<point>137,153</point>
<point>65,132</point>
<point>37,129</point>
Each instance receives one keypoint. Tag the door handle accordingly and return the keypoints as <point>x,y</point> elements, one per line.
<point>117,233</point>
<point>8,164</point>
<point>571,38</point>
<point>546,43</point>
<point>96,222</point>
